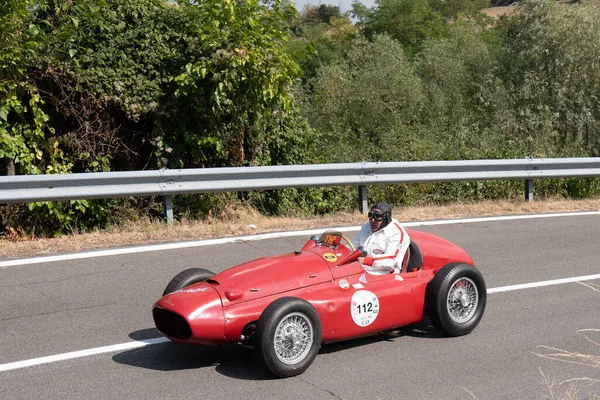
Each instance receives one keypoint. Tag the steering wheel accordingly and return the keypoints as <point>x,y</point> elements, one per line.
<point>328,239</point>
<point>348,242</point>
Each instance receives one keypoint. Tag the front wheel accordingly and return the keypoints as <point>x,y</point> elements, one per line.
<point>288,336</point>
<point>456,298</point>
<point>186,278</point>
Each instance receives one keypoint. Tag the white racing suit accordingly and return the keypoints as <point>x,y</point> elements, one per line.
<point>385,248</point>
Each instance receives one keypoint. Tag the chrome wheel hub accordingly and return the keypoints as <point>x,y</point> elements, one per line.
<point>293,338</point>
<point>463,298</point>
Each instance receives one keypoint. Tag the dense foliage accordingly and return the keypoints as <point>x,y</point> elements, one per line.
<point>98,85</point>
<point>320,36</point>
<point>549,63</point>
<point>411,22</point>
<point>24,127</point>
<point>366,101</point>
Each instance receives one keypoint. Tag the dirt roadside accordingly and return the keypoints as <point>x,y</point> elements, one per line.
<point>241,221</point>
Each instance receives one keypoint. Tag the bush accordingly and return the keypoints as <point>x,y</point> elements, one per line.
<point>549,65</point>
<point>365,106</point>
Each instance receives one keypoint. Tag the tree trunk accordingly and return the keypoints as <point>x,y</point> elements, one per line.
<point>8,167</point>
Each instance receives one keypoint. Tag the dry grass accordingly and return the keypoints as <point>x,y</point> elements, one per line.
<point>573,388</point>
<point>238,221</point>
<point>497,12</point>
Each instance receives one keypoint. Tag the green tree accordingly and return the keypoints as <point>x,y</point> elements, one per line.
<point>320,36</point>
<point>455,10</point>
<point>323,13</point>
<point>238,77</point>
<point>549,64</point>
<point>106,69</point>
<point>411,22</point>
<point>464,95</point>
<point>366,105</point>
<point>26,145</point>
<point>147,82</point>
<point>92,85</point>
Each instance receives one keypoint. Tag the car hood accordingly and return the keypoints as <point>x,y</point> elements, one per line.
<point>271,275</point>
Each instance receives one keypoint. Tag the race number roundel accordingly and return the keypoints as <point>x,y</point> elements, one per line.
<point>364,307</point>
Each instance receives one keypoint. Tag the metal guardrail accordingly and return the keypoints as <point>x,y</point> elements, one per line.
<point>166,183</point>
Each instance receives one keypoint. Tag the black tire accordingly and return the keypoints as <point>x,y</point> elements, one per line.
<point>298,314</point>
<point>186,278</point>
<point>456,298</point>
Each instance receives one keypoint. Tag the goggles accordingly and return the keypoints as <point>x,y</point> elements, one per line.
<point>377,216</point>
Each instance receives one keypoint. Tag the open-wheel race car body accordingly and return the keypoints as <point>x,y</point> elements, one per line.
<point>285,306</point>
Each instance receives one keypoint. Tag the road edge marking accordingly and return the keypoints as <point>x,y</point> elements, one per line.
<point>552,282</point>
<point>81,353</point>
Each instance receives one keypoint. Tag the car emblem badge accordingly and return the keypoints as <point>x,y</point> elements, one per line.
<point>330,257</point>
<point>344,284</point>
<point>398,278</point>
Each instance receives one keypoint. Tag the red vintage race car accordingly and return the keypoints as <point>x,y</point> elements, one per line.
<point>286,306</point>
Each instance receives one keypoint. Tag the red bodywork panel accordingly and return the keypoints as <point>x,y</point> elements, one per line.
<point>349,301</point>
<point>437,251</point>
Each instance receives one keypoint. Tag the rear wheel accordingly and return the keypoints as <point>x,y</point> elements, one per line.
<point>456,298</point>
<point>288,336</point>
<point>186,278</point>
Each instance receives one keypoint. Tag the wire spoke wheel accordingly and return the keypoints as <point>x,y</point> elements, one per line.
<point>456,298</point>
<point>293,338</point>
<point>288,336</point>
<point>462,301</point>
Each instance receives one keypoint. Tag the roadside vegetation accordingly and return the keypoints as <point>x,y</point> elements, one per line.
<point>239,220</point>
<point>88,85</point>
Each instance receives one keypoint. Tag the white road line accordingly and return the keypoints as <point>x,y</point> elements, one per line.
<point>142,343</point>
<point>81,353</point>
<point>543,283</point>
<point>308,232</point>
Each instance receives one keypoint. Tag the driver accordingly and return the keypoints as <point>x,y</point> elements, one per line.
<point>384,240</point>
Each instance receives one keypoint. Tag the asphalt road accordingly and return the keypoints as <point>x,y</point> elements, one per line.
<point>59,307</point>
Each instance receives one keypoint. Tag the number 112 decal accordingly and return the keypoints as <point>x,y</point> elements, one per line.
<point>364,307</point>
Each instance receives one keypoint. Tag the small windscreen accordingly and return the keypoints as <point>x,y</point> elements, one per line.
<point>330,238</point>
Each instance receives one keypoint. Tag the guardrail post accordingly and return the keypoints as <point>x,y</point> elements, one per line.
<point>168,208</point>
<point>363,205</point>
<point>529,190</point>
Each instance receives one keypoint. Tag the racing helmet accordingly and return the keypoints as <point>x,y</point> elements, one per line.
<point>385,209</point>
